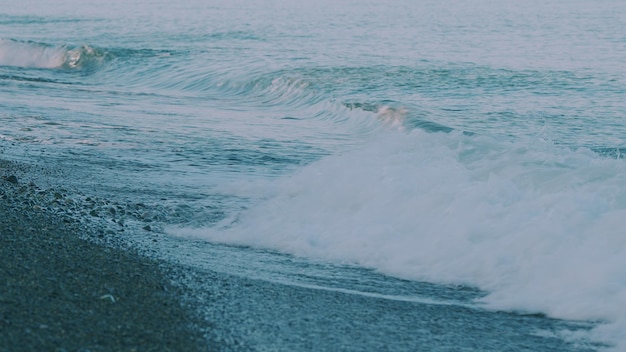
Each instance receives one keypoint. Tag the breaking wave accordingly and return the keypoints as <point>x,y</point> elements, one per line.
<point>536,226</point>
<point>30,54</point>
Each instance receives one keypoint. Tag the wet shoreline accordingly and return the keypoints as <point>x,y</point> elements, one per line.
<point>72,279</point>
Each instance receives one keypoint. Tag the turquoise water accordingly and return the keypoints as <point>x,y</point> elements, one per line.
<point>462,161</point>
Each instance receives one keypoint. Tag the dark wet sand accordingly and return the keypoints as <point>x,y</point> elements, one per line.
<point>59,292</point>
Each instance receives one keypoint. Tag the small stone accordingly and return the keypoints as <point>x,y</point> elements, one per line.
<point>12,179</point>
<point>109,297</point>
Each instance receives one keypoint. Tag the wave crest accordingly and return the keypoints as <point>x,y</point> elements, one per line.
<point>40,55</point>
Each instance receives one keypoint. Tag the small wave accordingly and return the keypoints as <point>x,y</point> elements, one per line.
<point>40,55</point>
<point>30,20</point>
<point>230,35</point>
<point>401,118</point>
<point>270,90</point>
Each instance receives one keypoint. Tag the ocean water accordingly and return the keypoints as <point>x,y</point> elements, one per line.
<point>460,161</point>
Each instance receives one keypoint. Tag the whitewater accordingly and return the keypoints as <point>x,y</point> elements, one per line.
<point>441,155</point>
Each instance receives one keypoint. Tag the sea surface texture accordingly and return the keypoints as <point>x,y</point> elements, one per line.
<point>456,167</point>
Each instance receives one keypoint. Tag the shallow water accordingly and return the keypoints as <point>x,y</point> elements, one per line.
<point>391,153</point>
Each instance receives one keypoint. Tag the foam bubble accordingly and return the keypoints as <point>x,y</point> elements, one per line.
<point>536,226</point>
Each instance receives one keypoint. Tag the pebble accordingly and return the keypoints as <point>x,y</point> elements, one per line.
<point>12,179</point>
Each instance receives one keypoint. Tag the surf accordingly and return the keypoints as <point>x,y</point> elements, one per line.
<point>29,54</point>
<point>534,225</point>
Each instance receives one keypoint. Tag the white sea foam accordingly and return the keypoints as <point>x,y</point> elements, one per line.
<point>538,227</point>
<point>37,55</point>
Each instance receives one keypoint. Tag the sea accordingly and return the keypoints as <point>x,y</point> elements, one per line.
<point>404,175</point>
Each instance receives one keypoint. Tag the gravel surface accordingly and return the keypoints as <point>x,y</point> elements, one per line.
<point>61,292</point>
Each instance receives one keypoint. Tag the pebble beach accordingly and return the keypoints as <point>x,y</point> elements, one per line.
<point>59,291</point>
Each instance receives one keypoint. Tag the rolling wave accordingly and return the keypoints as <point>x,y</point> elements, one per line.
<point>45,56</point>
<point>370,97</point>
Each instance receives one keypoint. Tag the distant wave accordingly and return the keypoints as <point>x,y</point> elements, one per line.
<point>40,55</point>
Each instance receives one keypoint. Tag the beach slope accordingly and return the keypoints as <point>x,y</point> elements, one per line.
<point>59,292</point>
